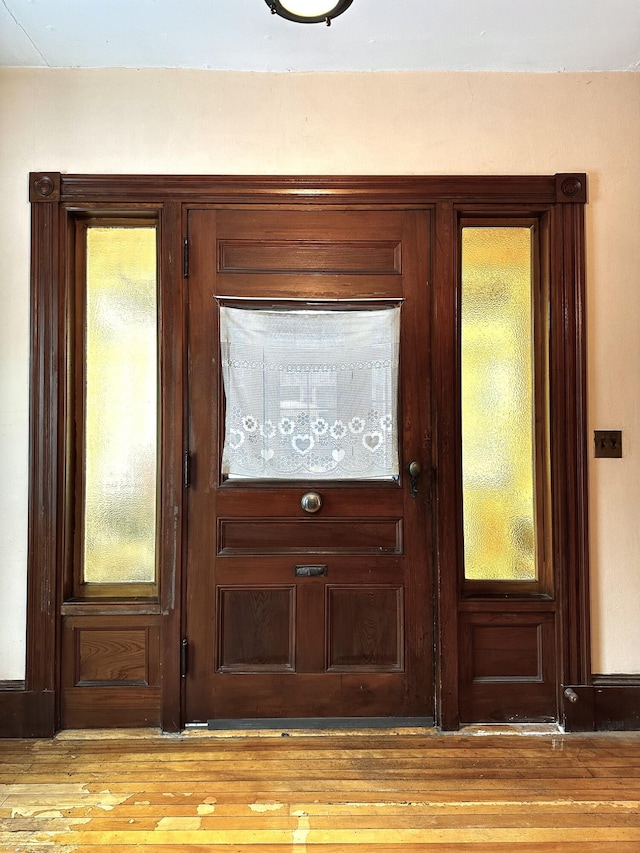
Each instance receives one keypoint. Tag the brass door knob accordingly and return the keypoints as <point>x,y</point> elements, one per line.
<point>311,502</point>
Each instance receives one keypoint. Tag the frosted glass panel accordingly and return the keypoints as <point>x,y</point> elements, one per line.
<point>120,406</point>
<point>497,404</point>
<point>310,394</point>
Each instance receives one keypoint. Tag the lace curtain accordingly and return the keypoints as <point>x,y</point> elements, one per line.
<point>310,394</point>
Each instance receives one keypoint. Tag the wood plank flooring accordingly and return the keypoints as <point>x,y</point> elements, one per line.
<point>373,792</point>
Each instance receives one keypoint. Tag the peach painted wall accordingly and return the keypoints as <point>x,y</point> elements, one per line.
<point>173,121</point>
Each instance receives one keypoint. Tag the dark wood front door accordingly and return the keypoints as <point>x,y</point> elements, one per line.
<point>291,613</point>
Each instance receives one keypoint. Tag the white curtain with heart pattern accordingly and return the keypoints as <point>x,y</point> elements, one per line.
<point>310,394</point>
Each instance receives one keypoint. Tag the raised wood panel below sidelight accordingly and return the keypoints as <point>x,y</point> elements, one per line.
<point>507,665</point>
<point>506,652</point>
<point>111,671</point>
<point>111,656</point>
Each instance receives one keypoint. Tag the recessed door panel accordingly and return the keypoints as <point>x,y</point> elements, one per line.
<point>319,536</point>
<point>365,628</point>
<point>256,628</point>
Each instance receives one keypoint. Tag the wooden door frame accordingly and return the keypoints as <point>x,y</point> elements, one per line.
<point>56,199</point>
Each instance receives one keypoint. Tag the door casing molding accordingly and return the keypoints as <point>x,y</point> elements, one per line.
<point>57,198</point>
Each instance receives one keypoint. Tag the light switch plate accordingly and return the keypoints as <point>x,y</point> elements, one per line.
<point>608,443</point>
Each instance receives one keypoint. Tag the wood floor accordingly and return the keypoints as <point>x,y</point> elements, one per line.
<point>369,792</point>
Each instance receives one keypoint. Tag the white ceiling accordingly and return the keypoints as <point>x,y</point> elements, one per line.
<point>372,35</point>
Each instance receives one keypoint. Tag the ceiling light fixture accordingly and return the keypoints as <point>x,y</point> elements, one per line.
<point>308,11</point>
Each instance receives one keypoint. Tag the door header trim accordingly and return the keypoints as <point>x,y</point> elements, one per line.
<point>567,187</point>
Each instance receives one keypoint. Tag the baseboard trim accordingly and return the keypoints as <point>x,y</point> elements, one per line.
<point>610,704</point>
<point>26,713</point>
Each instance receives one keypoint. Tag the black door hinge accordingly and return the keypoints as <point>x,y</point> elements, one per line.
<point>186,469</point>
<point>184,657</point>
<point>185,257</point>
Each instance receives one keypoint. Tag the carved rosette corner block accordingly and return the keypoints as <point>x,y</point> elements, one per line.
<point>44,186</point>
<point>571,188</point>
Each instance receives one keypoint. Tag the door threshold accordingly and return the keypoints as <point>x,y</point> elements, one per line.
<point>531,728</point>
<point>321,724</point>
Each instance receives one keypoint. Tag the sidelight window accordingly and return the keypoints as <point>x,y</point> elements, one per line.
<point>118,406</point>
<point>502,383</point>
